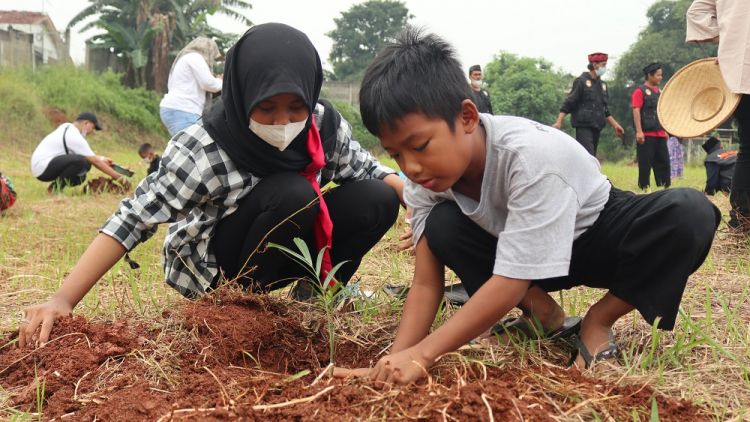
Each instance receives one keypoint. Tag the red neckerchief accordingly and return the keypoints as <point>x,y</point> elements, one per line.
<point>323,225</point>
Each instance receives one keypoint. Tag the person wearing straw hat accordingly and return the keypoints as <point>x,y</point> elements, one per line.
<point>190,85</point>
<point>587,102</point>
<point>650,136</point>
<point>726,22</point>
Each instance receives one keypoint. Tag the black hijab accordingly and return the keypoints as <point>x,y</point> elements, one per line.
<point>270,59</point>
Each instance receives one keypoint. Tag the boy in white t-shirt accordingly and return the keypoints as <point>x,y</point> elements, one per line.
<point>516,209</point>
<point>64,157</point>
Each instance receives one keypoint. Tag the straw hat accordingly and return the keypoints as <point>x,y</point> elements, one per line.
<point>696,100</point>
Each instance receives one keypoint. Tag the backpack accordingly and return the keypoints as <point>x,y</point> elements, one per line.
<point>7,194</point>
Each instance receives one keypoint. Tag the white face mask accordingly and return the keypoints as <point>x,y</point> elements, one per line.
<point>279,136</point>
<point>476,83</point>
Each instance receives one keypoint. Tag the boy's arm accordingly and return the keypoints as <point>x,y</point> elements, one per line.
<point>423,299</point>
<point>493,300</point>
<point>99,257</point>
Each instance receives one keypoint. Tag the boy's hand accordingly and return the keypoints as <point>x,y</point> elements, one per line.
<point>404,367</point>
<point>43,315</point>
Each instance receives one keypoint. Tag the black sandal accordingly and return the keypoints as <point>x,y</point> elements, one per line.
<point>611,352</point>
<point>533,331</point>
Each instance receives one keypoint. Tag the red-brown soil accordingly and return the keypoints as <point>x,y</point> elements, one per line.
<point>230,357</point>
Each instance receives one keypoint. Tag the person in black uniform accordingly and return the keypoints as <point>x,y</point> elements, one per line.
<point>587,102</point>
<point>649,134</point>
<point>480,96</point>
<point>719,166</point>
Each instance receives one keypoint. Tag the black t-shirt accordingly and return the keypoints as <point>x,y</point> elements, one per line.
<point>482,100</point>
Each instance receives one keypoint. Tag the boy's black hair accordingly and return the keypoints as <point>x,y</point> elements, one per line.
<point>417,73</point>
<point>144,148</point>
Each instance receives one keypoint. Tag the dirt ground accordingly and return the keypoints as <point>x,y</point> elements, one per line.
<point>239,357</point>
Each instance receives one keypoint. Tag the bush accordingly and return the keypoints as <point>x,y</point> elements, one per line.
<point>74,90</point>
<point>360,133</point>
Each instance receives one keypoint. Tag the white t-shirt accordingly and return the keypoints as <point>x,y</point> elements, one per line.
<point>187,86</point>
<point>52,146</point>
<point>540,191</point>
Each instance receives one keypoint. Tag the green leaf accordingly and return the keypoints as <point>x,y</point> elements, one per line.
<point>297,376</point>
<point>654,410</point>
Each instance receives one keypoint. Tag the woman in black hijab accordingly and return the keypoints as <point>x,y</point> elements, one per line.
<point>271,124</point>
<point>248,174</point>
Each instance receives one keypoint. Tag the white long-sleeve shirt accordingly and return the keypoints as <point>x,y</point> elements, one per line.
<point>729,20</point>
<point>187,86</point>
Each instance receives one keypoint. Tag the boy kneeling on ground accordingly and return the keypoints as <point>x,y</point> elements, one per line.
<point>516,209</point>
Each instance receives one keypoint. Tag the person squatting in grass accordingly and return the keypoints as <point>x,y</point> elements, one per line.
<point>243,176</point>
<point>516,209</point>
<point>64,157</point>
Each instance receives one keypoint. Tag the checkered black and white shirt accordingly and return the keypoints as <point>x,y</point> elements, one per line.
<point>197,185</point>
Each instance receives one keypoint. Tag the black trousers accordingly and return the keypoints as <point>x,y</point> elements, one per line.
<point>361,213</point>
<point>653,153</point>
<point>739,198</point>
<point>66,170</point>
<point>642,248</point>
<point>589,138</point>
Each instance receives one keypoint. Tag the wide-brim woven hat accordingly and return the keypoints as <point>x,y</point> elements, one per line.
<point>696,100</point>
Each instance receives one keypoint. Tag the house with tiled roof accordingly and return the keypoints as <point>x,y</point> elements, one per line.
<point>31,39</point>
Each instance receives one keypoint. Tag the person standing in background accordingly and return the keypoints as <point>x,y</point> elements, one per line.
<point>480,96</point>
<point>727,22</point>
<point>587,102</point>
<point>190,85</point>
<point>676,157</point>
<point>650,136</point>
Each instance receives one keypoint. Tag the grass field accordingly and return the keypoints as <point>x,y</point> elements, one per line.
<point>706,359</point>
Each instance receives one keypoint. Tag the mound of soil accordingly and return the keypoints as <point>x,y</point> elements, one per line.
<point>239,357</point>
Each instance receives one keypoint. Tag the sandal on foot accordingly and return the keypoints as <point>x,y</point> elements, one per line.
<point>611,352</point>
<point>455,294</point>
<point>528,329</point>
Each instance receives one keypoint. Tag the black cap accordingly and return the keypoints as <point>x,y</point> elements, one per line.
<point>91,117</point>
<point>710,144</point>
<point>475,68</point>
<point>651,67</point>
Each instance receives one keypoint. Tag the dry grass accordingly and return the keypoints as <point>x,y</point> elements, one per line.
<point>706,359</point>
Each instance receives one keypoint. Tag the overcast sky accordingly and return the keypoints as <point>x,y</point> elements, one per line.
<point>563,32</point>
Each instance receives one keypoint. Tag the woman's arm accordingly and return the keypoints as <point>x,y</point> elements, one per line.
<point>98,258</point>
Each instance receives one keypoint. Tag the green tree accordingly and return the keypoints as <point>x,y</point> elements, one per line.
<point>524,86</point>
<point>663,41</point>
<point>361,32</point>
<point>147,34</point>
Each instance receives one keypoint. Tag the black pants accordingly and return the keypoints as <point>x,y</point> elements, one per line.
<point>361,213</point>
<point>653,153</point>
<point>589,138</point>
<point>642,248</point>
<point>740,195</point>
<point>66,170</point>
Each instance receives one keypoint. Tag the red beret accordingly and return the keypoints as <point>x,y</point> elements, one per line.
<point>597,57</point>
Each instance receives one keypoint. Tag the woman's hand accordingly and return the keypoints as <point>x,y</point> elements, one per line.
<point>43,315</point>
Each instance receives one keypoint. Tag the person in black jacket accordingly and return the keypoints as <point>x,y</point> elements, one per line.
<point>587,102</point>
<point>147,152</point>
<point>719,166</point>
<point>480,96</point>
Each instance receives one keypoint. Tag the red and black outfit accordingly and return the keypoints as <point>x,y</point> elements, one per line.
<point>653,152</point>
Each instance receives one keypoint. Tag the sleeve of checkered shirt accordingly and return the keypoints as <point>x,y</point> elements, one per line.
<point>163,196</point>
<point>354,162</point>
